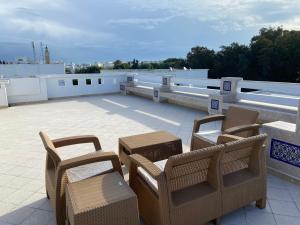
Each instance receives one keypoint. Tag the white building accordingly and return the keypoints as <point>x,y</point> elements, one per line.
<point>30,70</point>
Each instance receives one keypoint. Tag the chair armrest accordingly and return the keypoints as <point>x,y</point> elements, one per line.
<point>77,140</point>
<point>222,139</point>
<point>88,159</point>
<point>146,164</point>
<point>242,128</point>
<point>207,119</point>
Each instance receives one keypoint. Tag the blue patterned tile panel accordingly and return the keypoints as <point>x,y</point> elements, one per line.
<point>214,104</point>
<point>165,81</point>
<point>122,87</point>
<point>155,93</point>
<point>227,85</point>
<point>285,152</point>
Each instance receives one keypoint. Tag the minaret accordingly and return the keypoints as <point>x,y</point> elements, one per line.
<point>47,56</point>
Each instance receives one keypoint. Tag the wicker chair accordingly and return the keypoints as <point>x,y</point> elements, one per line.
<point>55,174</point>
<point>243,169</point>
<point>238,121</point>
<point>182,190</point>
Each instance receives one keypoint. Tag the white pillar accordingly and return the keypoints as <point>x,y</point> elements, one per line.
<point>130,80</point>
<point>166,83</point>
<point>3,93</point>
<point>229,88</point>
<point>215,104</point>
<point>123,86</point>
<point>157,95</point>
<point>298,120</point>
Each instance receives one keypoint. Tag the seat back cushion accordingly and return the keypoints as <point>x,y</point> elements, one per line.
<point>239,116</point>
<point>188,169</point>
<point>242,154</point>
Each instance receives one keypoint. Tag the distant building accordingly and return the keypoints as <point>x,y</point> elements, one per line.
<point>108,65</point>
<point>99,64</point>
<point>23,60</point>
<point>47,56</point>
<point>30,70</point>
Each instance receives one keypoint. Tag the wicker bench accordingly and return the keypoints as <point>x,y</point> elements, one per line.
<point>104,199</point>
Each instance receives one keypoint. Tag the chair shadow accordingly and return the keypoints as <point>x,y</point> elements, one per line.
<point>38,212</point>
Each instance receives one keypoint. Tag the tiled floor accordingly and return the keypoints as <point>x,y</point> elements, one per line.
<point>22,157</point>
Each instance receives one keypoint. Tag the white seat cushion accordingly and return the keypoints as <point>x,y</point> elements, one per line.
<point>211,135</point>
<point>146,176</point>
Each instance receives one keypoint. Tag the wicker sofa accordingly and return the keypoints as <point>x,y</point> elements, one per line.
<point>202,185</point>
<point>238,121</point>
<point>55,174</point>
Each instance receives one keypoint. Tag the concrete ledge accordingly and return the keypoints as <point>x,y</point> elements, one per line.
<point>268,112</point>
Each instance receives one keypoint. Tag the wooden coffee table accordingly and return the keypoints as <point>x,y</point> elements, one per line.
<point>154,146</point>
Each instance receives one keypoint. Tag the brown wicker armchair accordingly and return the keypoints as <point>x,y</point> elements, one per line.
<point>55,174</point>
<point>182,190</point>
<point>238,121</point>
<point>243,169</point>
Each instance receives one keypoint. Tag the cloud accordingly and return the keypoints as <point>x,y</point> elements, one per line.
<point>146,23</point>
<point>227,15</point>
<point>44,20</point>
<point>139,28</point>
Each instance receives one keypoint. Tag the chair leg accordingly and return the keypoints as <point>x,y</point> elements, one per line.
<point>261,203</point>
<point>47,194</point>
<point>217,221</point>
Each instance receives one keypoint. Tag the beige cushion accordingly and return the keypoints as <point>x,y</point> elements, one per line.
<point>150,180</point>
<point>211,135</point>
<point>89,170</point>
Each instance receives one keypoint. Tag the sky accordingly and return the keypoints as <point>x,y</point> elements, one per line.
<point>105,30</point>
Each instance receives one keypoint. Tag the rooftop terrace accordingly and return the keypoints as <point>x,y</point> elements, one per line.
<point>22,156</point>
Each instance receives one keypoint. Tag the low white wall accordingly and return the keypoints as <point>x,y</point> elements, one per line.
<point>56,89</point>
<point>29,70</point>
<point>22,90</point>
<point>287,94</point>
<point>3,94</point>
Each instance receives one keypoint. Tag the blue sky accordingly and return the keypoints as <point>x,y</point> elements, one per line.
<point>104,30</point>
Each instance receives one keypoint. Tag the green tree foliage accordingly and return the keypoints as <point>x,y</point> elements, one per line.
<point>273,55</point>
<point>231,60</point>
<point>89,69</point>
<point>201,57</point>
<point>166,64</point>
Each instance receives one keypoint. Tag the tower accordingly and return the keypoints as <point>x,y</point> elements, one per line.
<point>47,56</point>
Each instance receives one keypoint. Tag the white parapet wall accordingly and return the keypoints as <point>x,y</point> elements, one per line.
<point>60,86</point>
<point>30,70</point>
<point>3,93</point>
<point>24,90</point>
<point>283,149</point>
<point>42,88</point>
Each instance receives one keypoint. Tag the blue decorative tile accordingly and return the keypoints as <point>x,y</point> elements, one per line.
<point>129,79</point>
<point>285,152</point>
<point>214,104</point>
<point>122,87</point>
<point>165,81</point>
<point>155,93</point>
<point>227,85</point>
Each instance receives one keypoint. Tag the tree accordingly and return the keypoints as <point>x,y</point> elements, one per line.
<point>232,60</point>
<point>201,57</point>
<point>135,64</point>
<point>89,69</point>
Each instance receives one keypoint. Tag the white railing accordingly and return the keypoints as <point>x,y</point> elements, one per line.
<point>42,88</point>
<point>287,94</point>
